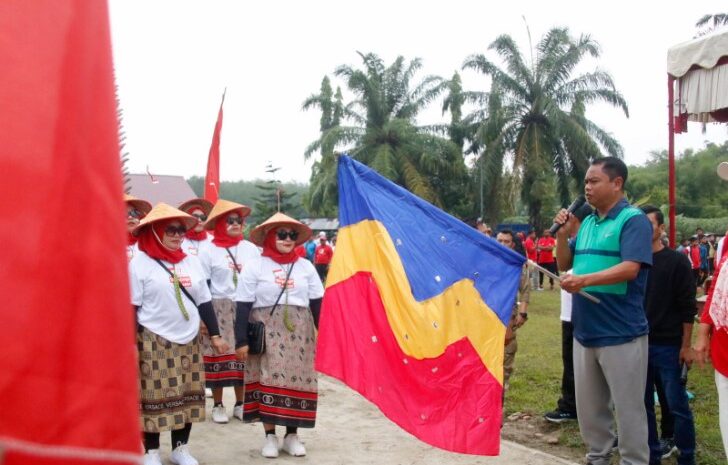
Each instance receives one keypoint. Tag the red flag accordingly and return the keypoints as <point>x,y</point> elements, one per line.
<point>212,178</point>
<point>69,376</point>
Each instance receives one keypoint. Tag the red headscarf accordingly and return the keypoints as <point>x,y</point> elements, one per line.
<point>152,246</point>
<point>220,236</point>
<point>191,233</point>
<point>270,250</point>
<point>131,238</point>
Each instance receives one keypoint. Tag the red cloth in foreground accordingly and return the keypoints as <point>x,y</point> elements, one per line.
<point>69,372</point>
<point>719,337</point>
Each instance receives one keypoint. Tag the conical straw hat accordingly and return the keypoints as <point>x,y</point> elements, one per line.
<point>279,219</point>
<point>221,208</point>
<point>162,211</point>
<point>202,204</point>
<point>141,205</point>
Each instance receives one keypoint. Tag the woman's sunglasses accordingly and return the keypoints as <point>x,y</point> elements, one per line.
<point>283,234</point>
<point>200,216</point>
<point>172,230</point>
<point>234,220</point>
<point>133,213</point>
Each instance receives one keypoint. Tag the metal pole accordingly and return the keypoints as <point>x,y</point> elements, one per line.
<point>543,270</point>
<point>671,156</point>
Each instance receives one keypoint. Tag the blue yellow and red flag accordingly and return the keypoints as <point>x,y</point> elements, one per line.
<point>415,313</point>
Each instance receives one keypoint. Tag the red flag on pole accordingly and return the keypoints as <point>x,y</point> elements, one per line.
<point>69,371</point>
<point>212,178</point>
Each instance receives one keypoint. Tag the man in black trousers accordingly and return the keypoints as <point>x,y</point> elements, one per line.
<point>670,308</point>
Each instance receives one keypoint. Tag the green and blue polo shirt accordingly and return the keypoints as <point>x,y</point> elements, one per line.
<point>623,234</point>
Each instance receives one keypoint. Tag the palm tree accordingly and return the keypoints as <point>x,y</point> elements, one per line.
<point>322,193</point>
<point>711,22</point>
<point>384,134</point>
<point>544,130</point>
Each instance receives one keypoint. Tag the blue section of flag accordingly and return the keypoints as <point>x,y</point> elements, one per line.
<point>436,249</point>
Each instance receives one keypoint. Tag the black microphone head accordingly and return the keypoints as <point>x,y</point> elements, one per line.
<point>576,204</point>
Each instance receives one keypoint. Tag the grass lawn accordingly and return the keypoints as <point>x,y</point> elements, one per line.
<point>536,383</point>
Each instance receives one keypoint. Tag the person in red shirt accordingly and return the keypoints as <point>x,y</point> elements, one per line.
<point>545,257</point>
<point>530,245</point>
<point>322,256</point>
<point>694,256</point>
<point>712,343</point>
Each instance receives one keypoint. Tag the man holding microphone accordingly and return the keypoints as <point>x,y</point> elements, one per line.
<point>610,256</point>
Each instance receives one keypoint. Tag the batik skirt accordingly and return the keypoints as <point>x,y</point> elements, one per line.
<point>222,370</point>
<point>280,385</point>
<point>171,382</point>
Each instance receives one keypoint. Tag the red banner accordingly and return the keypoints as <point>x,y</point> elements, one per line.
<point>212,178</point>
<point>69,376</point>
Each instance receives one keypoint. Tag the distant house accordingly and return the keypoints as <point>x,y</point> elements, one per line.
<point>330,225</point>
<point>172,190</point>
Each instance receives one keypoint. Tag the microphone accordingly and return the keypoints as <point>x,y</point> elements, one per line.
<point>575,205</point>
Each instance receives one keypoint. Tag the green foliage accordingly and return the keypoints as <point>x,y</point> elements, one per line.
<point>245,192</point>
<point>383,135</point>
<point>700,193</point>
<point>272,197</point>
<point>540,116</point>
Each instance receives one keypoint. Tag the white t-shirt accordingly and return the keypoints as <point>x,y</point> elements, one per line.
<point>566,305</point>
<point>263,279</point>
<point>152,290</point>
<point>219,267</point>
<point>131,251</point>
<point>192,247</point>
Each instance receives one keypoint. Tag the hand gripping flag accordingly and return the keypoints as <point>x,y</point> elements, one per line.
<point>69,370</point>
<point>415,313</point>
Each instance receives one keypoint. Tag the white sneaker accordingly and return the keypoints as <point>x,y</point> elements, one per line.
<point>152,457</point>
<point>293,446</point>
<point>238,412</point>
<point>219,415</point>
<point>181,456</point>
<point>270,447</point>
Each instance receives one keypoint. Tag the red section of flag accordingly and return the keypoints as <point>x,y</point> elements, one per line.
<point>456,400</point>
<point>212,178</point>
<point>69,373</point>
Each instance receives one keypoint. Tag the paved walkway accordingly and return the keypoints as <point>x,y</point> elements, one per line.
<point>349,430</point>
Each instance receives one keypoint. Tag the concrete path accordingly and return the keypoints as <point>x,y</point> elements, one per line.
<point>349,430</point>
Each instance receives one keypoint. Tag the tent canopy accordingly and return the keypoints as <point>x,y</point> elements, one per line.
<point>700,67</point>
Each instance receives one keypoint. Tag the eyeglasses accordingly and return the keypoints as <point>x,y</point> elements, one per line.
<point>133,213</point>
<point>234,220</point>
<point>283,234</point>
<point>172,230</point>
<point>200,216</point>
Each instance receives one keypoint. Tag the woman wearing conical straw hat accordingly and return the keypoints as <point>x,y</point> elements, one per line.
<point>197,238</point>
<point>170,295</point>
<point>281,386</point>
<point>136,209</point>
<point>223,262</point>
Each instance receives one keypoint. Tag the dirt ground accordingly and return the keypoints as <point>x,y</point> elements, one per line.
<point>349,430</point>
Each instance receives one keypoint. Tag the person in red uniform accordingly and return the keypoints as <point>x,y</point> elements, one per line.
<point>545,250</point>
<point>322,256</point>
<point>694,257</point>
<point>530,245</point>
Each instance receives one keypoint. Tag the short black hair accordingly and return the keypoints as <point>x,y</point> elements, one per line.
<point>647,209</point>
<point>509,232</point>
<point>614,167</point>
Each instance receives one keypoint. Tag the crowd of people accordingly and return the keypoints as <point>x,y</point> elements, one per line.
<point>208,302</point>
<point>635,342</point>
<point>198,289</point>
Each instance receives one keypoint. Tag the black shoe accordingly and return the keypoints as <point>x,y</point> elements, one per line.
<point>560,416</point>
<point>667,447</point>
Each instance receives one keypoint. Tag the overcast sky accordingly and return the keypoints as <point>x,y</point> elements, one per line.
<point>174,58</point>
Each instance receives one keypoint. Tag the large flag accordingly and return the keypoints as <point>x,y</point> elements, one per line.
<point>212,178</point>
<point>69,372</point>
<point>415,313</point>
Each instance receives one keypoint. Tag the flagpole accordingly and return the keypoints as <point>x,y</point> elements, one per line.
<point>543,270</point>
